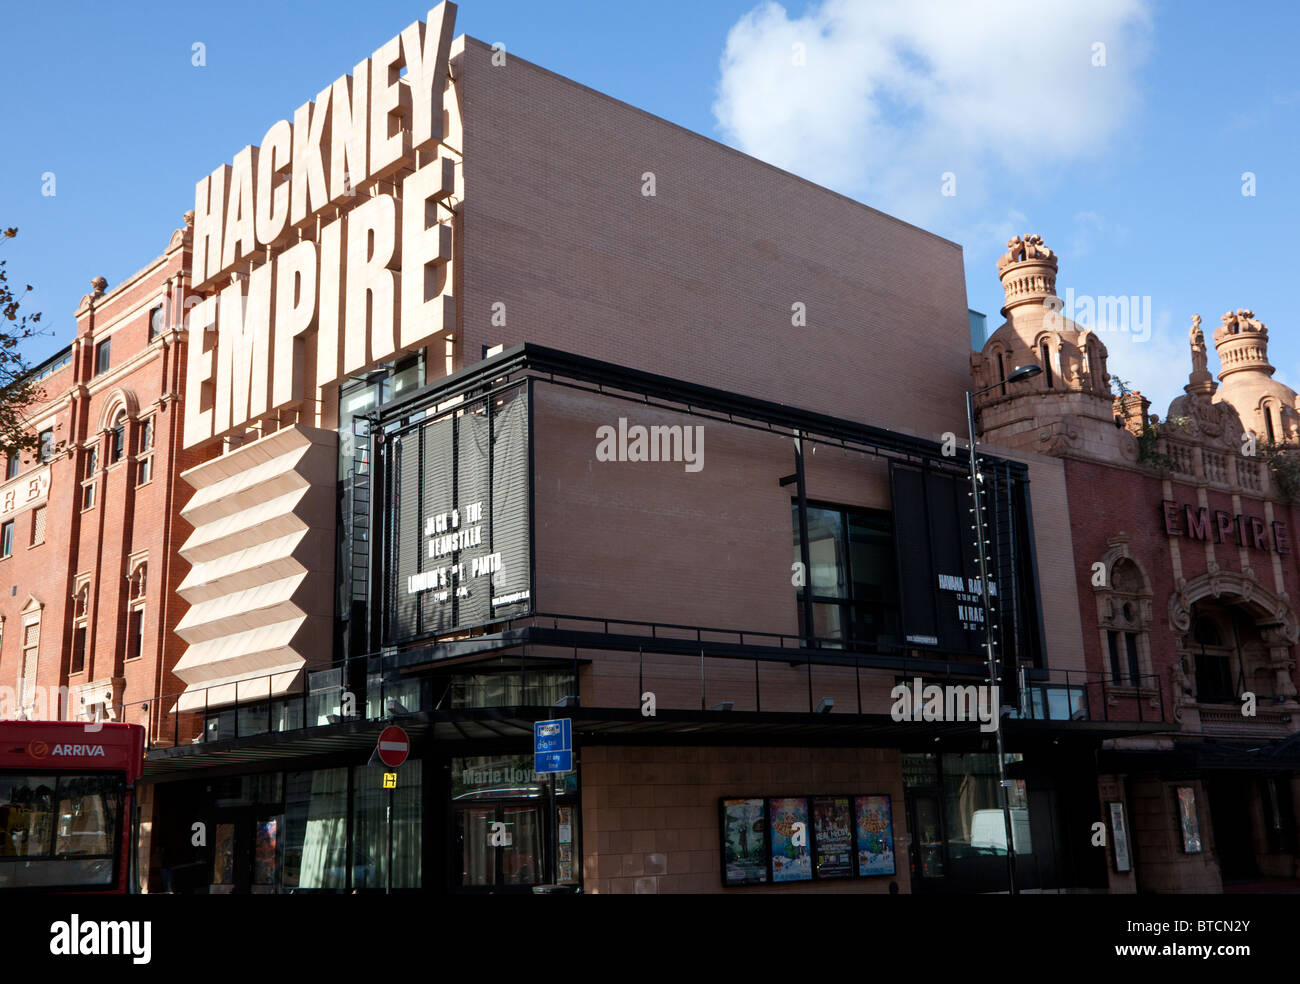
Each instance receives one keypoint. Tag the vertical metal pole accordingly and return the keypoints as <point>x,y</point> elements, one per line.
<point>555,857</point>
<point>389,888</point>
<point>978,511</point>
<point>804,552</point>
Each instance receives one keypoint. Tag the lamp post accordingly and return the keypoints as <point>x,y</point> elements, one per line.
<point>1019,373</point>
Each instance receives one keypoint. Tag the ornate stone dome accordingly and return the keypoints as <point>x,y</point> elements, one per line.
<point>1264,405</point>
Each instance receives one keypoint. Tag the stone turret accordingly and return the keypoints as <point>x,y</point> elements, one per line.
<point>1264,405</point>
<point>1069,407</point>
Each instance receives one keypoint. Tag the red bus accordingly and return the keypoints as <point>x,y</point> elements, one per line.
<point>66,804</point>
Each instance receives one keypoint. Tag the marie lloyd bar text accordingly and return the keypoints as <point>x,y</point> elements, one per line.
<point>306,279</point>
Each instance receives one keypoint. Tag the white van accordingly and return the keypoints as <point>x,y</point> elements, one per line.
<point>988,830</point>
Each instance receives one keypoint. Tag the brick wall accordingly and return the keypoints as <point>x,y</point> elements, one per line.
<point>697,282</point>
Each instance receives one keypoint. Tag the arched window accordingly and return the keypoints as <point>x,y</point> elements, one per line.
<point>1124,609</point>
<point>118,443</point>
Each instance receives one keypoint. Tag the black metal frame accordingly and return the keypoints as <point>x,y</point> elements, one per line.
<point>528,362</point>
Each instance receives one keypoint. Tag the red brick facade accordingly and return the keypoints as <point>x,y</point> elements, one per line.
<point>111,522</point>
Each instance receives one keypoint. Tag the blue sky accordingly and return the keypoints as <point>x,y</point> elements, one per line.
<point>1131,169</point>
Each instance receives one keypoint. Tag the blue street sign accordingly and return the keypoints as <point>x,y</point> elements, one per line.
<point>553,746</point>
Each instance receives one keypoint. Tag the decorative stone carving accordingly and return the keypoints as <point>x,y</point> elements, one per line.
<point>98,285</point>
<point>1059,436</point>
<point>1197,338</point>
<point>1276,616</point>
<point>1241,320</point>
<point>1028,247</point>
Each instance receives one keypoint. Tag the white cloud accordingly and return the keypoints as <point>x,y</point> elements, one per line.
<point>895,93</point>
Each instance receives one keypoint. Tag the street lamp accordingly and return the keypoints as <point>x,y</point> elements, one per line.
<point>1017,374</point>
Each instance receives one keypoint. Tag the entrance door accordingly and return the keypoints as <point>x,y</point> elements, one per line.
<point>500,844</point>
<point>247,852</point>
<point>1230,798</point>
<point>230,838</point>
<point>926,845</point>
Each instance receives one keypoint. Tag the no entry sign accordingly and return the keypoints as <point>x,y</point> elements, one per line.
<point>394,746</point>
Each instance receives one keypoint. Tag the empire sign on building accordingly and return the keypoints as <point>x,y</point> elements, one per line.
<point>388,470</point>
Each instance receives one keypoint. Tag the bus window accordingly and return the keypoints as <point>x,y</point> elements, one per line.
<point>59,830</point>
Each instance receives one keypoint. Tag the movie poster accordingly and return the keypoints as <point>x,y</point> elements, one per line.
<point>833,836</point>
<point>744,842</point>
<point>875,831</point>
<point>788,822</point>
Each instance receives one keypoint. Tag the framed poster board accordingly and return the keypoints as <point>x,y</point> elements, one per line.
<point>744,841</point>
<point>787,822</point>
<point>1191,827</point>
<point>1119,837</point>
<point>832,836</point>
<point>874,829</point>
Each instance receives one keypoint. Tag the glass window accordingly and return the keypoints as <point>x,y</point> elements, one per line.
<point>102,356</point>
<point>826,553</point>
<point>542,688</point>
<point>87,815</point>
<point>315,836</point>
<point>117,447</point>
<point>370,834</point>
<point>1130,648</point>
<point>146,434</point>
<point>47,445</point>
<point>974,819</point>
<point>7,539</point>
<point>155,322</point>
<point>27,807</point>
<point>11,465</point>
<point>135,634</point>
<point>853,578</point>
<point>78,648</point>
<point>70,823</point>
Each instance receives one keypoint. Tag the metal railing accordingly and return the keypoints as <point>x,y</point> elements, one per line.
<point>1091,695</point>
<point>320,697</point>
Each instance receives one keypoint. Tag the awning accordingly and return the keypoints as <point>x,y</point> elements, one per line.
<point>626,726</point>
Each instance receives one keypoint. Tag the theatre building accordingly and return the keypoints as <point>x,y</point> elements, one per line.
<point>517,403</point>
<point>1184,555</point>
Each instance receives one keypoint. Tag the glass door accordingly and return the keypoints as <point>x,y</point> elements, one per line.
<point>267,854</point>
<point>501,844</point>
<point>925,823</point>
<point>231,836</point>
